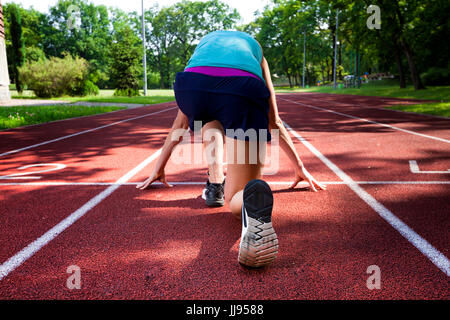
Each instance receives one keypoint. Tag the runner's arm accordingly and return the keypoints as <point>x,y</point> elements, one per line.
<point>173,138</point>
<point>275,121</point>
<point>286,143</point>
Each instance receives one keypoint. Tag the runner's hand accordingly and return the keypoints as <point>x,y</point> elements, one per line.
<point>156,176</point>
<point>301,174</point>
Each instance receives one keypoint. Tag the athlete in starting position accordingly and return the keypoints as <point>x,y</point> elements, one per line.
<point>227,86</point>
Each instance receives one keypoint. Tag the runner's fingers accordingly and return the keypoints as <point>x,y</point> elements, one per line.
<point>320,185</point>
<point>166,183</point>
<point>295,184</point>
<point>311,185</point>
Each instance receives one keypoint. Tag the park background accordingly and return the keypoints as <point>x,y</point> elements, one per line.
<point>84,53</point>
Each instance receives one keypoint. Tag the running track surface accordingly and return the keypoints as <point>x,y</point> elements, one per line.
<point>380,209</point>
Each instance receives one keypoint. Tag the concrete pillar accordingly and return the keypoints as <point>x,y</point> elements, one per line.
<point>4,76</point>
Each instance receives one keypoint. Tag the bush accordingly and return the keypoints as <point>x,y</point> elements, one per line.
<point>56,77</point>
<point>90,89</point>
<point>33,54</point>
<point>153,80</point>
<point>436,76</point>
<point>126,92</point>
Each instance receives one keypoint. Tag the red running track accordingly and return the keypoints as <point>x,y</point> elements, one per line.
<point>165,244</point>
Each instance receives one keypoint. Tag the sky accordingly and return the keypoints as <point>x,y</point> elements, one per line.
<point>246,8</point>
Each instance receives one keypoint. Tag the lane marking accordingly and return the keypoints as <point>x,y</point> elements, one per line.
<point>414,167</point>
<point>26,175</point>
<point>83,132</point>
<point>370,121</point>
<point>381,108</point>
<point>15,261</point>
<point>181,183</point>
<point>91,115</point>
<point>434,255</point>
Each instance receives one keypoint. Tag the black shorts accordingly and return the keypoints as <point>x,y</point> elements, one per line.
<point>236,102</point>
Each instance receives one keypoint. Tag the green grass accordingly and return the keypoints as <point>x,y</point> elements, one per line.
<point>438,109</point>
<point>383,88</point>
<point>12,117</point>
<point>390,88</point>
<point>107,96</point>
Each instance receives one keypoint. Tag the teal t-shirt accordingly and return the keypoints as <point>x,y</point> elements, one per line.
<point>229,49</point>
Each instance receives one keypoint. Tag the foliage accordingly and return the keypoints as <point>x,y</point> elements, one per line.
<point>17,49</point>
<point>411,44</point>
<point>436,76</point>
<point>126,67</point>
<point>55,77</point>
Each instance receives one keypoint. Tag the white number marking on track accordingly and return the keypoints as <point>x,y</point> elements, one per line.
<point>28,175</point>
<point>414,167</point>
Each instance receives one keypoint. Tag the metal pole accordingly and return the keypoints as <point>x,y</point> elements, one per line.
<point>145,56</point>
<point>304,57</point>
<point>335,47</point>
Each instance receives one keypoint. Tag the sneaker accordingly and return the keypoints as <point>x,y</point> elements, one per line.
<point>213,194</point>
<point>259,242</point>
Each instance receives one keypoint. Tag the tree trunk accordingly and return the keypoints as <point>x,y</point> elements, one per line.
<point>357,68</point>
<point>323,72</point>
<point>418,85</point>
<point>333,38</point>
<point>401,71</point>
<point>328,70</point>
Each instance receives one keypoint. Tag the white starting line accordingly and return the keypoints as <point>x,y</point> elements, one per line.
<point>195,183</point>
<point>15,261</point>
<point>435,256</point>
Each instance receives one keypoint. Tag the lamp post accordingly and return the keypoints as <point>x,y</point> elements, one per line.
<point>304,57</point>
<point>335,47</point>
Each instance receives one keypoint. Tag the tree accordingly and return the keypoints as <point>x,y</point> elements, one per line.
<point>18,46</point>
<point>126,66</point>
<point>175,30</point>
<point>81,29</point>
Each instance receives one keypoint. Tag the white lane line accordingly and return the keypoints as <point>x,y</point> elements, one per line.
<point>15,261</point>
<point>370,121</point>
<point>434,255</point>
<point>181,183</point>
<point>380,108</point>
<point>414,167</point>
<point>83,132</point>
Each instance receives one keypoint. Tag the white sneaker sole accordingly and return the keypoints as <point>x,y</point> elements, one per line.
<point>259,242</point>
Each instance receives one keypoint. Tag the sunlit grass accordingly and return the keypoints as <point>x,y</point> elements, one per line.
<point>384,88</point>
<point>107,96</point>
<point>390,88</point>
<point>438,109</point>
<point>12,117</point>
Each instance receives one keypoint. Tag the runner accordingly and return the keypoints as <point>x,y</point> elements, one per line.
<point>227,86</point>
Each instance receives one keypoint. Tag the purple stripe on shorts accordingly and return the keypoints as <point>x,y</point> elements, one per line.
<point>221,72</point>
